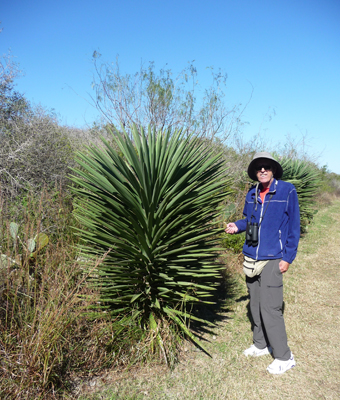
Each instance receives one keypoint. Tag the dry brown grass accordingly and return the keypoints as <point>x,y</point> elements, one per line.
<point>312,301</point>
<point>46,333</point>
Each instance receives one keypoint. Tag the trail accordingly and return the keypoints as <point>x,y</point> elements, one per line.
<point>312,315</point>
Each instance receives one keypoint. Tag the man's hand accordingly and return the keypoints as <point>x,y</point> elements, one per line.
<point>284,265</point>
<point>231,228</point>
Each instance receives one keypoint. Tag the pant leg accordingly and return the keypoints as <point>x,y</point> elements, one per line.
<point>271,303</point>
<point>253,285</point>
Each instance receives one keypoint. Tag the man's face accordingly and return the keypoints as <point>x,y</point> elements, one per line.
<point>264,171</point>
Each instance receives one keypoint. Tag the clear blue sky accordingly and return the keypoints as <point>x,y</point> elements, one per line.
<point>289,51</point>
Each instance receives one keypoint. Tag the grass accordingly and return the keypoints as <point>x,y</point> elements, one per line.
<point>47,338</point>
<point>312,320</point>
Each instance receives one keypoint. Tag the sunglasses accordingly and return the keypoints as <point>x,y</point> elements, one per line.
<point>267,167</point>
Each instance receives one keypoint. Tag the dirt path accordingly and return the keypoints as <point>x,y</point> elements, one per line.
<point>312,314</point>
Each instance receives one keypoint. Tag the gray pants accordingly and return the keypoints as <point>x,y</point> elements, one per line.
<point>266,301</point>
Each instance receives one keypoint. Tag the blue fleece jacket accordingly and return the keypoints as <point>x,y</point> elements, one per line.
<point>279,231</point>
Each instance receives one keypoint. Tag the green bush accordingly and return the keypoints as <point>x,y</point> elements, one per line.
<point>233,242</point>
<point>151,210</point>
<point>306,179</point>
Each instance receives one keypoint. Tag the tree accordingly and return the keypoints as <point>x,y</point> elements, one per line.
<point>159,99</point>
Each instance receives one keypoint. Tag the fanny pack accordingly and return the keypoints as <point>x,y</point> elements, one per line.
<point>252,267</point>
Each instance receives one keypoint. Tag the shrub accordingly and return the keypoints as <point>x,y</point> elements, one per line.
<point>151,208</point>
<point>35,152</point>
<point>306,179</point>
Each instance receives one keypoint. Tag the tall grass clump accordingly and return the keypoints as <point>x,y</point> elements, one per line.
<point>151,205</point>
<point>46,337</point>
<point>38,294</point>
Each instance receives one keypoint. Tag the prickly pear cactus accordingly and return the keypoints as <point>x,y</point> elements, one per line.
<point>32,246</point>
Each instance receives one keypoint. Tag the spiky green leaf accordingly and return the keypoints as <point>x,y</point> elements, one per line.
<point>150,202</point>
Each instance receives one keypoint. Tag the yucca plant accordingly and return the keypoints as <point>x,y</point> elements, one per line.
<point>306,179</point>
<point>150,203</point>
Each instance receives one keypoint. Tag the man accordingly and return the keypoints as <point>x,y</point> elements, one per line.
<point>273,205</point>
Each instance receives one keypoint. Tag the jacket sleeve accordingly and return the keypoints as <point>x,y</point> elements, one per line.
<point>293,236</point>
<point>242,223</point>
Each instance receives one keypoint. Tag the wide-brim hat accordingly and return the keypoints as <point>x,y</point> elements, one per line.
<point>265,156</point>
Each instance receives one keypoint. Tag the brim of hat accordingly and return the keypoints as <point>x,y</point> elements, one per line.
<point>252,173</point>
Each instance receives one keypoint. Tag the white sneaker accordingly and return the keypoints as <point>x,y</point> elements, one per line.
<point>280,367</point>
<point>255,352</point>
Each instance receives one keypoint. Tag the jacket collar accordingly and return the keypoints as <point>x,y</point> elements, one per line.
<point>273,185</point>
<point>256,193</point>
